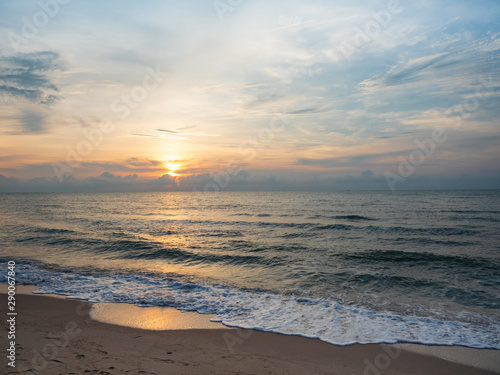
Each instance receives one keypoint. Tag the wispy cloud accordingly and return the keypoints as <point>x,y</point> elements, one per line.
<point>26,75</point>
<point>167,131</point>
<point>26,78</point>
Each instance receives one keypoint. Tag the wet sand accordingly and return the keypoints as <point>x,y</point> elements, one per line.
<point>58,336</point>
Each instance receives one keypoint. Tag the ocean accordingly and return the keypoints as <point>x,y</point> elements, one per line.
<point>344,267</point>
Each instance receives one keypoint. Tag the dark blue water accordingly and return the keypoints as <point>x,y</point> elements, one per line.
<point>341,266</point>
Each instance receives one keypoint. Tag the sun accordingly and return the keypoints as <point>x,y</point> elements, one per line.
<point>172,168</point>
<point>172,165</point>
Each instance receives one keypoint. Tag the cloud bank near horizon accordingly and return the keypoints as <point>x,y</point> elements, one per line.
<point>246,181</point>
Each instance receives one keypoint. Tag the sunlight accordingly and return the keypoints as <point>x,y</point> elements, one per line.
<point>152,318</point>
<point>172,165</point>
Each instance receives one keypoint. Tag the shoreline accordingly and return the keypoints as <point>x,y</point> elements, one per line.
<point>57,335</point>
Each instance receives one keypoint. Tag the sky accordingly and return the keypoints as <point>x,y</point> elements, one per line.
<point>219,95</point>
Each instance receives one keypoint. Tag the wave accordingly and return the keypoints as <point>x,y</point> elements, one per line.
<point>324,319</point>
<point>187,257</point>
<point>382,286</point>
<point>395,256</point>
<point>138,249</point>
<point>221,233</point>
<point>439,231</point>
<point>431,241</point>
<point>344,217</point>
<point>333,227</point>
<point>473,211</point>
<point>164,227</point>
<point>487,219</point>
<point>125,246</point>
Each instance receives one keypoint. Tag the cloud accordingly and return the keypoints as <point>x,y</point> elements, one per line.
<point>136,162</point>
<point>244,181</point>
<point>26,76</point>
<point>163,135</point>
<point>167,131</point>
<point>37,61</point>
<point>429,78</point>
<point>188,127</point>
<point>32,121</point>
<point>106,182</point>
<point>26,80</point>
<point>305,111</point>
<point>170,134</point>
<point>367,174</point>
<point>24,93</point>
<point>413,70</point>
<point>131,165</point>
<point>348,160</point>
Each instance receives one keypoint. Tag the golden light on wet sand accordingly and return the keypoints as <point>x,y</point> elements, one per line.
<point>152,318</point>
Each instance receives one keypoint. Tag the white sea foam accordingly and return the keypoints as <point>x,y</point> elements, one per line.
<point>316,318</point>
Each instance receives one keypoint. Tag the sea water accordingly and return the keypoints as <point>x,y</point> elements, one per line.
<point>344,267</point>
